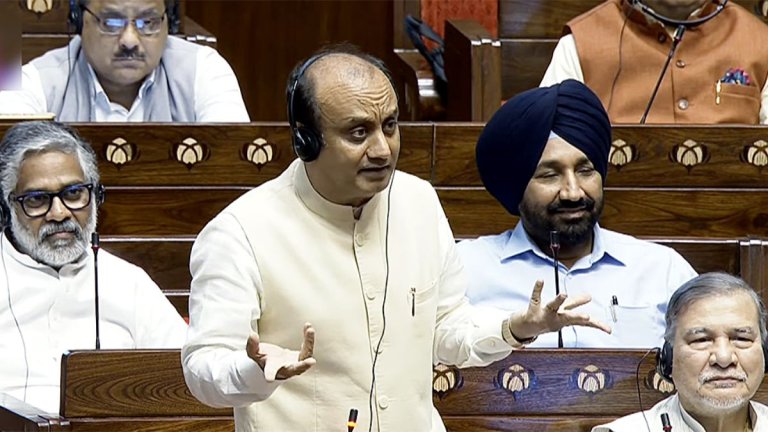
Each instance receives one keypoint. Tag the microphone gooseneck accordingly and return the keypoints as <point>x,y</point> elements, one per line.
<point>554,246</point>
<point>95,248</point>
<point>675,42</point>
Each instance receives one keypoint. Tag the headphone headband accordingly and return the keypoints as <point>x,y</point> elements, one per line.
<point>640,4</point>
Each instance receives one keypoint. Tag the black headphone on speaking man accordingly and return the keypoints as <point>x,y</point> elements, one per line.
<point>665,355</point>
<point>306,141</point>
<point>640,5</point>
<point>75,17</point>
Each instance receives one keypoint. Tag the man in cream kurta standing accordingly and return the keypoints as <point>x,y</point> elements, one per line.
<point>122,66</point>
<point>365,255</point>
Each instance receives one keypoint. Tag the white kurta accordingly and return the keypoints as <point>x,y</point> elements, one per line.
<point>55,313</point>
<point>680,420</point>
<point>281,255</point>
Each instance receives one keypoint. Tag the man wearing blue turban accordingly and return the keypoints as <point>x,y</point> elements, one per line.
<point>544,157</point>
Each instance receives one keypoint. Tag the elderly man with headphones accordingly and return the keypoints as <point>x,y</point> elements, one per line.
<point>715,353</point>
<point>122,65</point>
<point>358,255</point>
<point>50,188</point>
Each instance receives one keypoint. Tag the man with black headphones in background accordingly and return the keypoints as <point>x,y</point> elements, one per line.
<point>715,353</point>
<point>344,245</point>
<point>123,66</point>
<point>718,73</point>
<point>49,181</point>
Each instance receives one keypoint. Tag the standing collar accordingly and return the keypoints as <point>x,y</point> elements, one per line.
<point>321,206</point>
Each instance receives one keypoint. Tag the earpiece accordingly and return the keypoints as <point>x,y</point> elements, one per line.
<point>665,355</point>
<point>75,17</point>
<point>101,194</point>
<point>664,361</point>
<point>5,218</point>
<point>306,141</point>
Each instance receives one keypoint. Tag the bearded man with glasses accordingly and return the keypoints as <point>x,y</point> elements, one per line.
<point>50,193</point>
<point>122,65</point>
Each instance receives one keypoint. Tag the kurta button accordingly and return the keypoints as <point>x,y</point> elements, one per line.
<point>359,239</point>
<point>383,402</point>
<point>662,37</point>
<point>680,64</point>
<point>682,104</point>
<point>371,295</point>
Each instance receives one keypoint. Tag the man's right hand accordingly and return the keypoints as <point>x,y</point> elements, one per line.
<point>280,363</point>
<point>557,314</point>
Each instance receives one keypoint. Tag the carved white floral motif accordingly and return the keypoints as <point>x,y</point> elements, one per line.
<point>621,153</point>
<point>590,379</point>
<point>689,154</point>
<point>656,382</point>
<point>190,152</point>
<point>756,154</point>
<point>258,152</point>
<point>445,379</point>
<point>120,152</point>
<point>39,6</point>
<point>515,378</point>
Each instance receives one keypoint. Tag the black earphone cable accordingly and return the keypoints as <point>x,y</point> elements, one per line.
<point>637,384</point>
<point>15,319</point>
<point>383,307</point>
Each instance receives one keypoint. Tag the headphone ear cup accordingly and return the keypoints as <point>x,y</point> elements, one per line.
<point>765,356</point>
<point>75,17</point>
<point>664,361</point>
<point>306,144</point>
<point>5,218</point>
<point>174,18</point>
<point>101,195</point>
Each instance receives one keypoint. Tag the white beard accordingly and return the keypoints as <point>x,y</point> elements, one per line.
<point>51,252</point>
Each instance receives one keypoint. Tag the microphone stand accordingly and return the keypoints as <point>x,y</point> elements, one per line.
<point>554,246</point>
<point>675,42</point>
<point>95,248</point>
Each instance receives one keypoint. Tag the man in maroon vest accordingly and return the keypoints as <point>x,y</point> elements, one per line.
<point>717,75</point>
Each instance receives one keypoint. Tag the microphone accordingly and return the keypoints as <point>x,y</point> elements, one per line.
<point>675,42</point>
<point>681,25</point>
<point>665,425</point>
<point>554,246</point>
<point>352,422</point>
<point>95,248</point>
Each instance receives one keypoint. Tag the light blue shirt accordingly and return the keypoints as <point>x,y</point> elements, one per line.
<point>503,268</point>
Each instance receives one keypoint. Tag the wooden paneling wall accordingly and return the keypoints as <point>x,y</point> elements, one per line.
<point>263,40</point>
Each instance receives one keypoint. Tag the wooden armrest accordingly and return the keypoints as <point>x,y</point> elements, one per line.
<point>17,415</point>
<point>416,86</point>
<point>194,32</point>
<point>473,69</point>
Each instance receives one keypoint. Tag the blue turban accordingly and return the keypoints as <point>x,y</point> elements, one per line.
<point>510,146</point>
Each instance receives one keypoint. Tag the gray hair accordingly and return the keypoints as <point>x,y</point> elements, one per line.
<point>706,285</point>
<point>36,137</point>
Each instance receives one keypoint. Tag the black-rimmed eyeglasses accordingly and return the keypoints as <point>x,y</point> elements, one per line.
<point>38,203</point>
<point>114,25</point>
